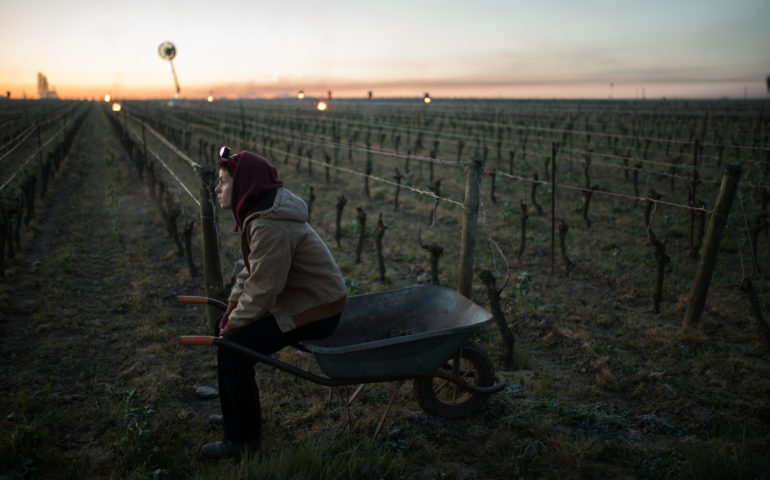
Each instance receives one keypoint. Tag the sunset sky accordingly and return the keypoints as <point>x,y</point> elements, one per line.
<point>450,48</point>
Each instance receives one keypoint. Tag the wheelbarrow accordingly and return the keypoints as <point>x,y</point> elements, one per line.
<point>419,333</point>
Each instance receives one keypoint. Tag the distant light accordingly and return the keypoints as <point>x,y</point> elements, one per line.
<point>427,98</point>
<point>107,98</point>
<point>116,107</point>
<point>322,106</point>
<point>301,95</point>
<point>210,98</point>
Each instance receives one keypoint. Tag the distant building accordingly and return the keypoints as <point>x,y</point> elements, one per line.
<point>42,87</point>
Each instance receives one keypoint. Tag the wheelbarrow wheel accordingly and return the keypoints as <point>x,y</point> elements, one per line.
<point>445,398</point>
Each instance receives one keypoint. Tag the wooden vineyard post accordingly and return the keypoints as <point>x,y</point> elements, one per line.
<point>660,249</point>
<point>697,299</point>
<point>470,219</point>
<point>696,146</point>
<point>212,266</point>
<point>554,148</point>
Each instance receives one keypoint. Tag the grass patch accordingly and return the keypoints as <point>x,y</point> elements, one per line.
<point>718,460</point>
<point>325,456</point>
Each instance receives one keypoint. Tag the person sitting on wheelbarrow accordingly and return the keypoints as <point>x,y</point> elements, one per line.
<point>290,289</point>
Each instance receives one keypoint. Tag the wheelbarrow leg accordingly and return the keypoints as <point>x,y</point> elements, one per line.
<point>387,409</point>
<point>344,398</point>
<point>343,394</point>
<point>356,392</point>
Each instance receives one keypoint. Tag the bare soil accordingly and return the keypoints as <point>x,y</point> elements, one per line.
<point>80,313</point>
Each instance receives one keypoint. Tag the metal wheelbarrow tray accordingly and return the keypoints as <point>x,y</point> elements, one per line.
<point>407,332</point>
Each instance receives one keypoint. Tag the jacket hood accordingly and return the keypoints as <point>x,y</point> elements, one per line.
<point>287,207</point>
<point>253,177</point>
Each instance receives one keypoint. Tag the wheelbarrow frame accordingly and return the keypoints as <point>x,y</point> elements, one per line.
<point>444,320</point>
<point>334,382</point>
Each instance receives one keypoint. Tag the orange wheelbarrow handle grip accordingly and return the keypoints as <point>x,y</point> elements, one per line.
<point>194,300</point>
<point>196,340</point>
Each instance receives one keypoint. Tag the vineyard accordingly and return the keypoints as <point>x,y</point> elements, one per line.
<point>586,226</point>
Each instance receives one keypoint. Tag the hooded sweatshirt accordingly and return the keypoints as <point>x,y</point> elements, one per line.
<point>289,270</point>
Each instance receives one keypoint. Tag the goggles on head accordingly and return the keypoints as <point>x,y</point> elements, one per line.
<point>232,160</point>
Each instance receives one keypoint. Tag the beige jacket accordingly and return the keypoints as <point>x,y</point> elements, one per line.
<point>289,270</point>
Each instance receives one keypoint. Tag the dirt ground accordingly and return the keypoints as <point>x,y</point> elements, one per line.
<point>79,304</point>
<point>87,314</point>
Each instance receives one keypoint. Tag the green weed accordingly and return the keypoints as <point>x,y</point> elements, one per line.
<point>521,360</point>
<point>353,286</point>
<point>117,234</point>
<point>21,449</point>
<point>134,447</point>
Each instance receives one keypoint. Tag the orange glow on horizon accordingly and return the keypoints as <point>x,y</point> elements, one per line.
<point>107,98</point>
<point>414,90</point>
<point>210,98</point>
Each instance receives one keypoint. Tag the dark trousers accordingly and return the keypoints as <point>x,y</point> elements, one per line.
<point>238,391</point>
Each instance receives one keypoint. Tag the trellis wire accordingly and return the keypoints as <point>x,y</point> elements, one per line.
<point>600,192</point>
<point>168,169</point>
<point>28,132</point>
<point>375,178</point>
<point>33,155</point>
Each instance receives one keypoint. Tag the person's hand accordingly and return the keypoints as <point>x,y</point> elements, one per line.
<point>226,328</point>
<point>223,321</point>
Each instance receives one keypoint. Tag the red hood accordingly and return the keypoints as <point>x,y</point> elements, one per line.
<point>253,177</point>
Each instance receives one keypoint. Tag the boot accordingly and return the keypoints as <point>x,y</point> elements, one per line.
<point>227,449</point>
